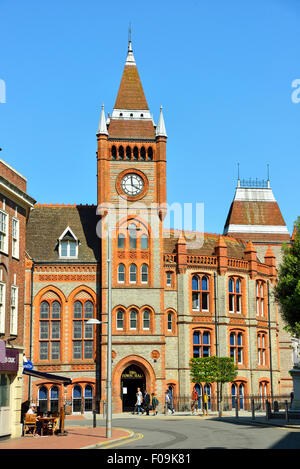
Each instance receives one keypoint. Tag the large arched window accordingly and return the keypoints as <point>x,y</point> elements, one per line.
<point>144,273</point>
<point>83,310</point>
<point>201,344</point>
<point>235,295</point>
<point>88,398</point>
<point>132,236</point>
<point>121,273</point>
<point>260,300</point>
<point>261,349</point>
<point>50,325</point>
<point>77,398</point>
<point>121,241</point>
<point>43,399</point>
<point>200,293</point>
<point>54,399</point>
<point>236,342</point>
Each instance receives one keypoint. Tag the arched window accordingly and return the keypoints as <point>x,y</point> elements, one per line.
<point>143,154</point>
<point>169,279</point>
<point>128,153</point>
<point>121,273</point>
<point>113,152</point>
<point>200,293</point>
<point>88,398</point>
<point>50,325</point>
<point>120,320</point>
<point>144,273</point>
<point>135,153</point>
<point>201,344</point>
<point>146,320</point>
<point>121,153</point>
<point>54,399</point>
<point>132,273</point>
<point>133,319</point>
<point>260,303</point>
<point>132,236</point>
<point>261,349</point>
<point>144,241</point>
<point>77,398</point>
<point>236,347</point>
<point>235,295</point>
<point>237,393</point>
<point>150,154</point>
<point>82,332</point>
<point>121,241</point>
<point>43,399</point>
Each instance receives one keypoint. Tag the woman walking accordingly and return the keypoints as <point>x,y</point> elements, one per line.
<point>154,403</point>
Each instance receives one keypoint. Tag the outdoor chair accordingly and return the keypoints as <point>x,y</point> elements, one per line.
<point>29,424</point>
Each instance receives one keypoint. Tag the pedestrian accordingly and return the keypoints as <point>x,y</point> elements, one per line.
<point>194,405</point>
<point>139,401</point>
<point>154,404</point>
<point>292,398</point>
<point>168,405</point>
<point>205,404</point>
<point>146,402</point>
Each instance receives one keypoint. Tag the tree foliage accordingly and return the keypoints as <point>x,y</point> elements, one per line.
<point>287,290</point>
<point>213,370</point>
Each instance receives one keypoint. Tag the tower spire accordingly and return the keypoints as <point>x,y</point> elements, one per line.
<point>130,57</point>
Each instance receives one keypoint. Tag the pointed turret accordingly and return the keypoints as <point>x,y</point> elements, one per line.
<point>161,129</point>
<point>102,128</point>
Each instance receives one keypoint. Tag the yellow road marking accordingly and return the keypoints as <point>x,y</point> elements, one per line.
<point>137,436</point>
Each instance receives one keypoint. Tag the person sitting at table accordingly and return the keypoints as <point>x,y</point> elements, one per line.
<point>32,409</point>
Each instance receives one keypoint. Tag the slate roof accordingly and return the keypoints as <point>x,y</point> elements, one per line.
<point>47,223</point>
<point>131,94</point>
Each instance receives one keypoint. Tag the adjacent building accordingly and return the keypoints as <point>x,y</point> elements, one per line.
<point>15,206</point>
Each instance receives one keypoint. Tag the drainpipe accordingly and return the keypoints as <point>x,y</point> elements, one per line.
<point>270,345</point>
<point>30,329</point>
<point>216,336</point>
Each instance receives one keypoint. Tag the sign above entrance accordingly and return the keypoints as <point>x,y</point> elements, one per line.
<point>133,374</point>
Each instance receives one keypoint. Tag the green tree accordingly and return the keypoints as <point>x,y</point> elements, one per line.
<point>287,290</point>
<point>213,370</point>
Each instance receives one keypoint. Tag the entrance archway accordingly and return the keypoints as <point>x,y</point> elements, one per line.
<point>132,378</point>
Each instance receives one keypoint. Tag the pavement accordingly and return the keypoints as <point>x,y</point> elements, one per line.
<point>80,433</point>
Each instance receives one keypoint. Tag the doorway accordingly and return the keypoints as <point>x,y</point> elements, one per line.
<point>132,378</point>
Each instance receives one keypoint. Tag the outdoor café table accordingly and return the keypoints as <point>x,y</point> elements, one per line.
<point>45,423</point>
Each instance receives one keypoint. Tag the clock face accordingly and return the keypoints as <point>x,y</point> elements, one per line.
<point>132,184</point>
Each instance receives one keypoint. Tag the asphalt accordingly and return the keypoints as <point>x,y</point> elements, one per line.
<point>80,433</point>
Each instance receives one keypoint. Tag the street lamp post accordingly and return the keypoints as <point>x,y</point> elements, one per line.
<point>109,336</point>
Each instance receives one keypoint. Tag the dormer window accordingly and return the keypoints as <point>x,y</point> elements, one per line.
<point>68,245</point>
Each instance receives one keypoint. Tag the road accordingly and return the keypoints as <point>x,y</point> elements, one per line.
<point>186,433</point>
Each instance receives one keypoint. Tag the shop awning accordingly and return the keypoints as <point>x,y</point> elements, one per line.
<point>48,376</point>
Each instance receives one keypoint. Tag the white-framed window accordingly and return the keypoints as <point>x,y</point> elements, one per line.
<point>121,273</point>
<point>15,237</point>
<point>133,319</point>
<point>3,231</point>
<point>146,320</point>
<point>170,322</point>
<point>120,320</point>
<point>2,307</point>
<point>68,245</point>
<point>144,273</point>
<point>132,273</point>
<point>14,310</point>
<point>169,279</point>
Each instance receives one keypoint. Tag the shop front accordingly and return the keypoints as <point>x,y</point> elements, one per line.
<point>10,391</point>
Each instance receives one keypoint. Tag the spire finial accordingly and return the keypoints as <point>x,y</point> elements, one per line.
<point>130,58</point>
<point>268,171</point>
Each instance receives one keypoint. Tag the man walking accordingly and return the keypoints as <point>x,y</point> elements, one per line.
<point>139,401</point>
<point>205,404</point>
<point>168,405</point>
<point>146,402</point>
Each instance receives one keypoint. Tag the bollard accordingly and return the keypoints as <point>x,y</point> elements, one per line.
<point>236,408</point>
<point>253,409</point>
<point>286,406</point>
<point>94,418</point>
<point>104,409</point>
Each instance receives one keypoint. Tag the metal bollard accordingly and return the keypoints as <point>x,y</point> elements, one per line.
<point>236,408</point>
<point>286,407</point>
<point>94,418</point>
<point>252,409</point>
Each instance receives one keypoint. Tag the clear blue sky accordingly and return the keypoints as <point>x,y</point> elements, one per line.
<point>223,71</point>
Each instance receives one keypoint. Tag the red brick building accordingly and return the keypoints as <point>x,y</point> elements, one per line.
<point>15,205</point>
<point>175,295</point>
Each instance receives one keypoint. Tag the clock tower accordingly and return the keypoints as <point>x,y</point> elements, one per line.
<point>131,178</point>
